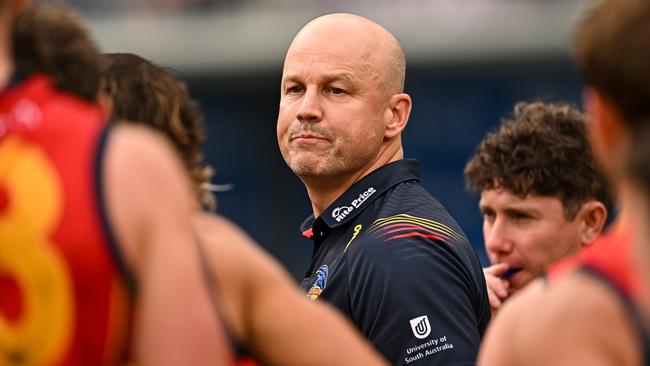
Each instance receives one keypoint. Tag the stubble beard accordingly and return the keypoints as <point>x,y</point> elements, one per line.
<point>326,167</point>
<point>310,164</point>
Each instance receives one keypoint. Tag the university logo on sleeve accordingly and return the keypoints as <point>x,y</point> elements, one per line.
<point>320,283</point>
<point>421,327</point>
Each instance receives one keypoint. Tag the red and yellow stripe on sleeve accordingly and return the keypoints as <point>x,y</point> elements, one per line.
<point>404,226</point>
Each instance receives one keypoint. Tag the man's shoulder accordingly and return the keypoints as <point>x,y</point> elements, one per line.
<point>573,314</point>
<point>408,225</point>
<point>405,239</point>
<point>409,212</point>
<point>409,195</point>
<point>576,300</point>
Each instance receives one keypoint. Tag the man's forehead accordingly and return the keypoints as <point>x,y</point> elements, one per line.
<point>325,65</point>
<point>334,48</point>
<point>500,197</point>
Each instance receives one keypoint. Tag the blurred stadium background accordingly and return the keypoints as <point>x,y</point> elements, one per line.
<point>468,63</point>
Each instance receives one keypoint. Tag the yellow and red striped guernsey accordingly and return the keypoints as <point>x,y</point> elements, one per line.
<point>405,225</point>
<point>63,297</point>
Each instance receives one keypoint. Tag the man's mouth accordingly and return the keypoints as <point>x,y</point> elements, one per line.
<point>509,273</point>
<point>307,136</point>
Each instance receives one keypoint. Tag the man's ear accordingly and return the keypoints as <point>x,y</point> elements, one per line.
<point>397,114</point>
<point>593,216</point>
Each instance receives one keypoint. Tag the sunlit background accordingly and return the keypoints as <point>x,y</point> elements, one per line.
<point>468,63</point>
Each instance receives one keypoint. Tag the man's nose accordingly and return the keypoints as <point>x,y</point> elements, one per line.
<point>497,240</point>
<point>310,109</point>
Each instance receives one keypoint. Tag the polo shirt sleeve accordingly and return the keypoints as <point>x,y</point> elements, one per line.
<point>416,300</point>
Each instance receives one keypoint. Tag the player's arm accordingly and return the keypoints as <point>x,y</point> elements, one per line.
<point>411,298</point>
<point>576,322</point>
<point>279,325</point>
<point>149,202</point>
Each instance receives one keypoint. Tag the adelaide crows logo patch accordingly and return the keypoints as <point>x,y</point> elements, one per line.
<point>320,283</point>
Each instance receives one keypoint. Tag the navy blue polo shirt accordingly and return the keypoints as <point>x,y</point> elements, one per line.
<point>391,258</point>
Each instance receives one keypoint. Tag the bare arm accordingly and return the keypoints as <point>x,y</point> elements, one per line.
<point>576,322</point>
<point>150,202</point>
<point>279,324</point>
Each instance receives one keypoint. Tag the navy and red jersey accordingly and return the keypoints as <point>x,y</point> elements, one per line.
<point>609,260</point>
<point>63,299</point>
<point>391,258</point>
<point>610,254</point>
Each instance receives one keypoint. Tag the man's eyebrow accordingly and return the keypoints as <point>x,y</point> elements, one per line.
<point>327,78</point>
<point>342,76</point>
<point>290,77</point>
<point>484,207</point>
<point>521,210</point>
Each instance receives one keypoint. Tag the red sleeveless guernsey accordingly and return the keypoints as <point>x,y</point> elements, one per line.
<point>63,299</point>
<point>610,254</point>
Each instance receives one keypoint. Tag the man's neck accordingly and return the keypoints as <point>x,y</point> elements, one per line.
<point>323,191</point>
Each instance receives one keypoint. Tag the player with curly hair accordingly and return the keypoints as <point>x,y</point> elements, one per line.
<point>542,197</point>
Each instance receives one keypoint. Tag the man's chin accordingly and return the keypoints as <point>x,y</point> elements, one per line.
<point>307,167</point>
<point>307,171</point>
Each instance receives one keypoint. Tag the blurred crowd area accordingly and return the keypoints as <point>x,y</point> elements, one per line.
<point>117,7</point>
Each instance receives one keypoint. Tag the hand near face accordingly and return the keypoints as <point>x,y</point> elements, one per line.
<point>496,286</point>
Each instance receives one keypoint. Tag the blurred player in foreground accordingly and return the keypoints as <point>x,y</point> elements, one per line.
<point>261,306</point>
<point>96,243</point>
<point>595,313</point>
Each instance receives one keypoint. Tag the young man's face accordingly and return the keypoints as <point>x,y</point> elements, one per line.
<point>527,233</point>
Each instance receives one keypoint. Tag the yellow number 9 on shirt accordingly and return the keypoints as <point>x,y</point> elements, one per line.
<point>42,331</point>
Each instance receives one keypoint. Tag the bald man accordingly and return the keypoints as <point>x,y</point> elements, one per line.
<point>386,253</point>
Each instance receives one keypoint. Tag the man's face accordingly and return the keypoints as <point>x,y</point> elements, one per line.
<point>527,233</point>
<point>333,109</point>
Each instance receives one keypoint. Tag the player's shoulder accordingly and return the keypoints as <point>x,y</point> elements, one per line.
<point>144,159</point>
<point>574,302</point>
<point>554,324</point>
<point>224,238</point>
<point>143,183</point>
<point>578,299</point>
<point>137,143</point>
<point>217,226</point>
<point>230,247</point>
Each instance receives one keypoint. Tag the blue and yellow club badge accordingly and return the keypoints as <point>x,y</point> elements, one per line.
<point>319,284</point>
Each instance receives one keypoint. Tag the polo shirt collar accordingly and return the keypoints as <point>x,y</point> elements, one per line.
<point>351,203</point>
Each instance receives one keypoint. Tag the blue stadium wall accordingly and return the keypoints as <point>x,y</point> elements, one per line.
<point>453,107</point>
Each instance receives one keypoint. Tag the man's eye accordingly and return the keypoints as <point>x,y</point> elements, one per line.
<point>294,89</point>
<point>336,91</point>
<point>521,216</point>
<point>488,216</point>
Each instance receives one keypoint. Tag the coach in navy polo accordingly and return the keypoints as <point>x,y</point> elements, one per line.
<point>386,253</point>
